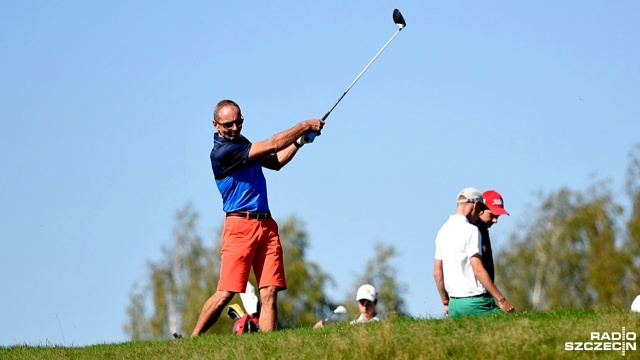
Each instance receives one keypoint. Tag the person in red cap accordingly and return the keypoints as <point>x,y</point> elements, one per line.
<point>495,204</point>
<point>461,279</point>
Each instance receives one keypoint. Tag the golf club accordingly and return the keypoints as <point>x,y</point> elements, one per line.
<point>337,314</point>
<point>399,20</point>
<point>234,311</point>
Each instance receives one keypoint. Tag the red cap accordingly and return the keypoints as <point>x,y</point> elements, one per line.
<point>494,202</point>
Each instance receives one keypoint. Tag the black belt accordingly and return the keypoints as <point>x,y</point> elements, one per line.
<point>250,215</point>
<point>467,297</point>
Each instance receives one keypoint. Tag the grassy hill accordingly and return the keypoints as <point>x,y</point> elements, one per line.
<point>526,335</point>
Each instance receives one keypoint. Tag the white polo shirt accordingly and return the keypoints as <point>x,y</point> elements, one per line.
<point>456,243</point>
<point>635,306</point>
<point>361,319</point>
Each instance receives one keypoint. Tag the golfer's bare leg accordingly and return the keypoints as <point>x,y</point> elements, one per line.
<point>211,311</point>
<point>268,310</point>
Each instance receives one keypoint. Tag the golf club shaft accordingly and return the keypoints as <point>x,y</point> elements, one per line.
<point>308,137</point>
<point>360,75</point>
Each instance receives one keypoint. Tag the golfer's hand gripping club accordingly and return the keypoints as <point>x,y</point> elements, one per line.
<point>307,138</point>
<point>311,135</point>
<point>315,127</point>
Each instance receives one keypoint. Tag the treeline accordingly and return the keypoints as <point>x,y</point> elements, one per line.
<point>171,300</point>
<point>577,249</point>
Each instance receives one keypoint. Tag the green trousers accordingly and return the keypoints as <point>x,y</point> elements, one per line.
<point>480,304</point>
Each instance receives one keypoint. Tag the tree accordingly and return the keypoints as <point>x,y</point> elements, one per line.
<point>571,253</point>
<point>632,186</point>
<point>179,284</point>
<point>383,276</point>
<point>186,277</point>
<point>138,326</point>
<point>305,296</point>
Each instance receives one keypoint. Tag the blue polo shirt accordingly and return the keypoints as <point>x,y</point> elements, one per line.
<point>241,183</point>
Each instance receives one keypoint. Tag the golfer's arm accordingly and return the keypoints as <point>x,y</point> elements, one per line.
<point>483,276</point>
<point>280,159</point>
<point>277,143</point>
<point>438,275</point>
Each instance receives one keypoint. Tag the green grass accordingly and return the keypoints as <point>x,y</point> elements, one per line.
<point>527,335</point>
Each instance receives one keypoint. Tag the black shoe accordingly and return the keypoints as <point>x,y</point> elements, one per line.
<point>177,336</point>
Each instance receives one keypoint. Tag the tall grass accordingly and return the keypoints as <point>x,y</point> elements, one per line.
<point>527,335</point>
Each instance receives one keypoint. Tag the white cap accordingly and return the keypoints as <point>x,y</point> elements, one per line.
<point>367,292</point>
<point>471,195</point>
<point>635,306</point>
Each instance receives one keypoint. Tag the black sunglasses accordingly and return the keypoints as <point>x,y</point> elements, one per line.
<point>229,125</point>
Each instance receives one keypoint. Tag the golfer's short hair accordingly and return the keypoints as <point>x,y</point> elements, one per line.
<point>221,104</point>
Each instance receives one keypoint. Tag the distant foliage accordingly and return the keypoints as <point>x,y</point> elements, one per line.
<point>178,285</point>
<point>633,191</point>
<point>305,296</point>
<point>380,273</point>
<point>574,251</point>
<point>187,276</point>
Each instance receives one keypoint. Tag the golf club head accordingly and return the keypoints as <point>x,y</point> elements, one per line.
<point>340,310</point>
<point>337,315</point>
<point>399,19</point>
<point>233,314</point>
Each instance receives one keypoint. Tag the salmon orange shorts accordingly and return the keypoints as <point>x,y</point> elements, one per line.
<point>247,243</point>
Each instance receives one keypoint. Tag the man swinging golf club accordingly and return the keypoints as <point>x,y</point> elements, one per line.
<point>250,235</point>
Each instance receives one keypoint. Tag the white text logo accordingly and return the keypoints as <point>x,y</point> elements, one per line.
<point>605,341</point>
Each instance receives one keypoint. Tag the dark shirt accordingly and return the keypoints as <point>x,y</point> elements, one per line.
<point>487,253</point>
<point>240,182</point>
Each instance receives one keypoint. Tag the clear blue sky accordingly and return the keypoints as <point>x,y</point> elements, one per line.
<point>105,131</point>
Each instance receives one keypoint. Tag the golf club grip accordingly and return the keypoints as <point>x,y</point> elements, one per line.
<point>310,136</point>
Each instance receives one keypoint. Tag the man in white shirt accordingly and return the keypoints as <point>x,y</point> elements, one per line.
<point>462,281</point>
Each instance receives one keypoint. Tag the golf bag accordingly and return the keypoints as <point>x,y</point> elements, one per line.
<point>246,324</point>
